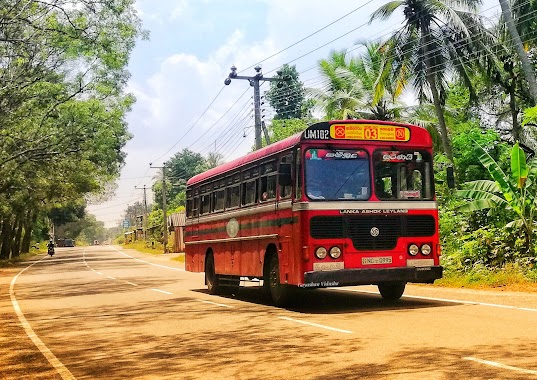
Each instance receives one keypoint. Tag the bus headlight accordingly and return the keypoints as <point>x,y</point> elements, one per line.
<point>335,252</point>
<point>321,252</point>
<point>426,249</point>
<point>413,249</point>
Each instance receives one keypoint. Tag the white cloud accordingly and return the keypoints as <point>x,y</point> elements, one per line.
<point>179,10</point>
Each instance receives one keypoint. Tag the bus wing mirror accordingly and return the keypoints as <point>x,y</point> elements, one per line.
<point>450,177</point>
<point>284,175</point>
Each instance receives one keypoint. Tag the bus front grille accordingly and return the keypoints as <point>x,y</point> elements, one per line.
<point>372,232</point>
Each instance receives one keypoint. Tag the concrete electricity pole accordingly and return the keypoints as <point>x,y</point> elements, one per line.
<point>164,207</point>
<point>145,211</point>
<point>254,82</point>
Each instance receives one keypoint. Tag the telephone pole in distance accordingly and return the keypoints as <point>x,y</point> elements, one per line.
<point>164,207</point>
<point>145,210</point>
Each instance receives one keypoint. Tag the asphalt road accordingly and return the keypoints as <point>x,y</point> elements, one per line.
<point>108,313</point>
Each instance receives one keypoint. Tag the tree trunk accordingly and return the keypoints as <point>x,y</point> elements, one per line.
<point>16,248</point>
<point>446,144</point>
<point>519,47</point>
<point>7,230</point>
<point>514,111</point>
<point>29,222</point>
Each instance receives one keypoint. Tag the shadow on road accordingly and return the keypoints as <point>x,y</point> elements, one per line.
<point>332,301</point>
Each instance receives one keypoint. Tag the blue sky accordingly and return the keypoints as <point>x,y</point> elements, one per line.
<point>179,71</point>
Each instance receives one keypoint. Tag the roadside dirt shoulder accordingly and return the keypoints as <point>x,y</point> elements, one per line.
<point>19,358</point>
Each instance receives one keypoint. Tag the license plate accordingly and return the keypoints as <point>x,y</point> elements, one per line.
<point>328,266</point>
<point>420,263</point>
<point>376,260</point>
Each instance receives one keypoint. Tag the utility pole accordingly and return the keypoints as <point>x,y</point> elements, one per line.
<point>164,207</point>
<point>145,211</point>
<point>254,82</point>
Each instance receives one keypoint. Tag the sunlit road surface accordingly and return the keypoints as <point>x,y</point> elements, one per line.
<point>108,313</point>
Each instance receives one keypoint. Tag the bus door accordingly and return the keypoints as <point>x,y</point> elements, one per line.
<point>284,213</point>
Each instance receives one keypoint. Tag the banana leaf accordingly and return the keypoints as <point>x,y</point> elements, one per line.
<point>519,169</point>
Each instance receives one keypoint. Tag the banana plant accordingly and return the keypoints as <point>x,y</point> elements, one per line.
<point>516,191</point>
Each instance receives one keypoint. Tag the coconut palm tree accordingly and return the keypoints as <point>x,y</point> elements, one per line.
<point>517,41</point>
<point>348,88</point>
<point>381,103</point>
<point>436,40</point>
<point>341,93</point>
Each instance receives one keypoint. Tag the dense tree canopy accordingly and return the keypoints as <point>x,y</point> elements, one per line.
<point>62,103</point>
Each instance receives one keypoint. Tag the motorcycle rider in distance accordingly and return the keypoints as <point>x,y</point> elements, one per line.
<point>50,247</point>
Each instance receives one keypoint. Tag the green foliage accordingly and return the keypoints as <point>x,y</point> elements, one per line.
<point>530,116</point>
<point>492,247</point>
<point>467,154</point>
<point>62,104</point>
<point>281,129</point>
<point>84,231</point>
<point>287,96</point>
<point>515,192</point>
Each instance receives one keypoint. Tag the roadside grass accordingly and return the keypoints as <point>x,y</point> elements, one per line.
<point>155,248</point>
<point>146,247</point>
<point>511,277</point>
<point>6,263</point>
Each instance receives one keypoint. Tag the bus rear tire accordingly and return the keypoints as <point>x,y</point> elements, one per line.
<point>211,278</point>
<point>392,291</point>
<point>280,294</point>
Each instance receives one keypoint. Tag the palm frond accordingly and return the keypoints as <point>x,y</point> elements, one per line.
<point>385,11</point>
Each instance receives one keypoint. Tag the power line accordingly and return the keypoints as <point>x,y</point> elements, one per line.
<point>310,35</point>
<point>193,125</point>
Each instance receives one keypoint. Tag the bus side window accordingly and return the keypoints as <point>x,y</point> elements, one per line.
<point>205,203</point>
<point>285,191</point>
<point>189,205</point>
<point>219,201</point>
<point>232,196</point>
<point>298,175</point>
<point>249,192</point>
<point>267,187</point>
<point>195,207</point>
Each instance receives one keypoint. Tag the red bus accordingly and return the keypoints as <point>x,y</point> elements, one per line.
<point>342,203</point>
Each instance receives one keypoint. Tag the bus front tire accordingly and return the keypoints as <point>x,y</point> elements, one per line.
<point>279,293</point>
<point>211,278</point>
<point>391,291</point>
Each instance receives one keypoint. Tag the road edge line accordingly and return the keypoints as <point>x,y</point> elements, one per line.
<point>500,365</point>
<point>52,359</point>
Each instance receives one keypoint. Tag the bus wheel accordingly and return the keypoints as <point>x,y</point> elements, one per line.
<point>211,278</point>
<point>391,291</point>
<point>279,293</point>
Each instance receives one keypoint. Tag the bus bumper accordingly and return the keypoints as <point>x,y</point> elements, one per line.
<point>349,277</point>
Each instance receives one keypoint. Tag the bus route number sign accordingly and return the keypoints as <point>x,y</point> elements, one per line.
<point>372,132</point>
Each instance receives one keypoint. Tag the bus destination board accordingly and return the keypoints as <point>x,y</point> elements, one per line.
<point>370,132</point>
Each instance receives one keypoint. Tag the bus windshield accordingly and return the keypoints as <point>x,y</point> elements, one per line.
<point>403,174</point>
<point>337,174</point>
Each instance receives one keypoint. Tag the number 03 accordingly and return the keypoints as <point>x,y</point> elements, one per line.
<point>370,133</point>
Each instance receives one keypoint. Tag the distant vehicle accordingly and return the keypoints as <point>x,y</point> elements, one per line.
<point>96,242</point>
<point>69,243</point>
